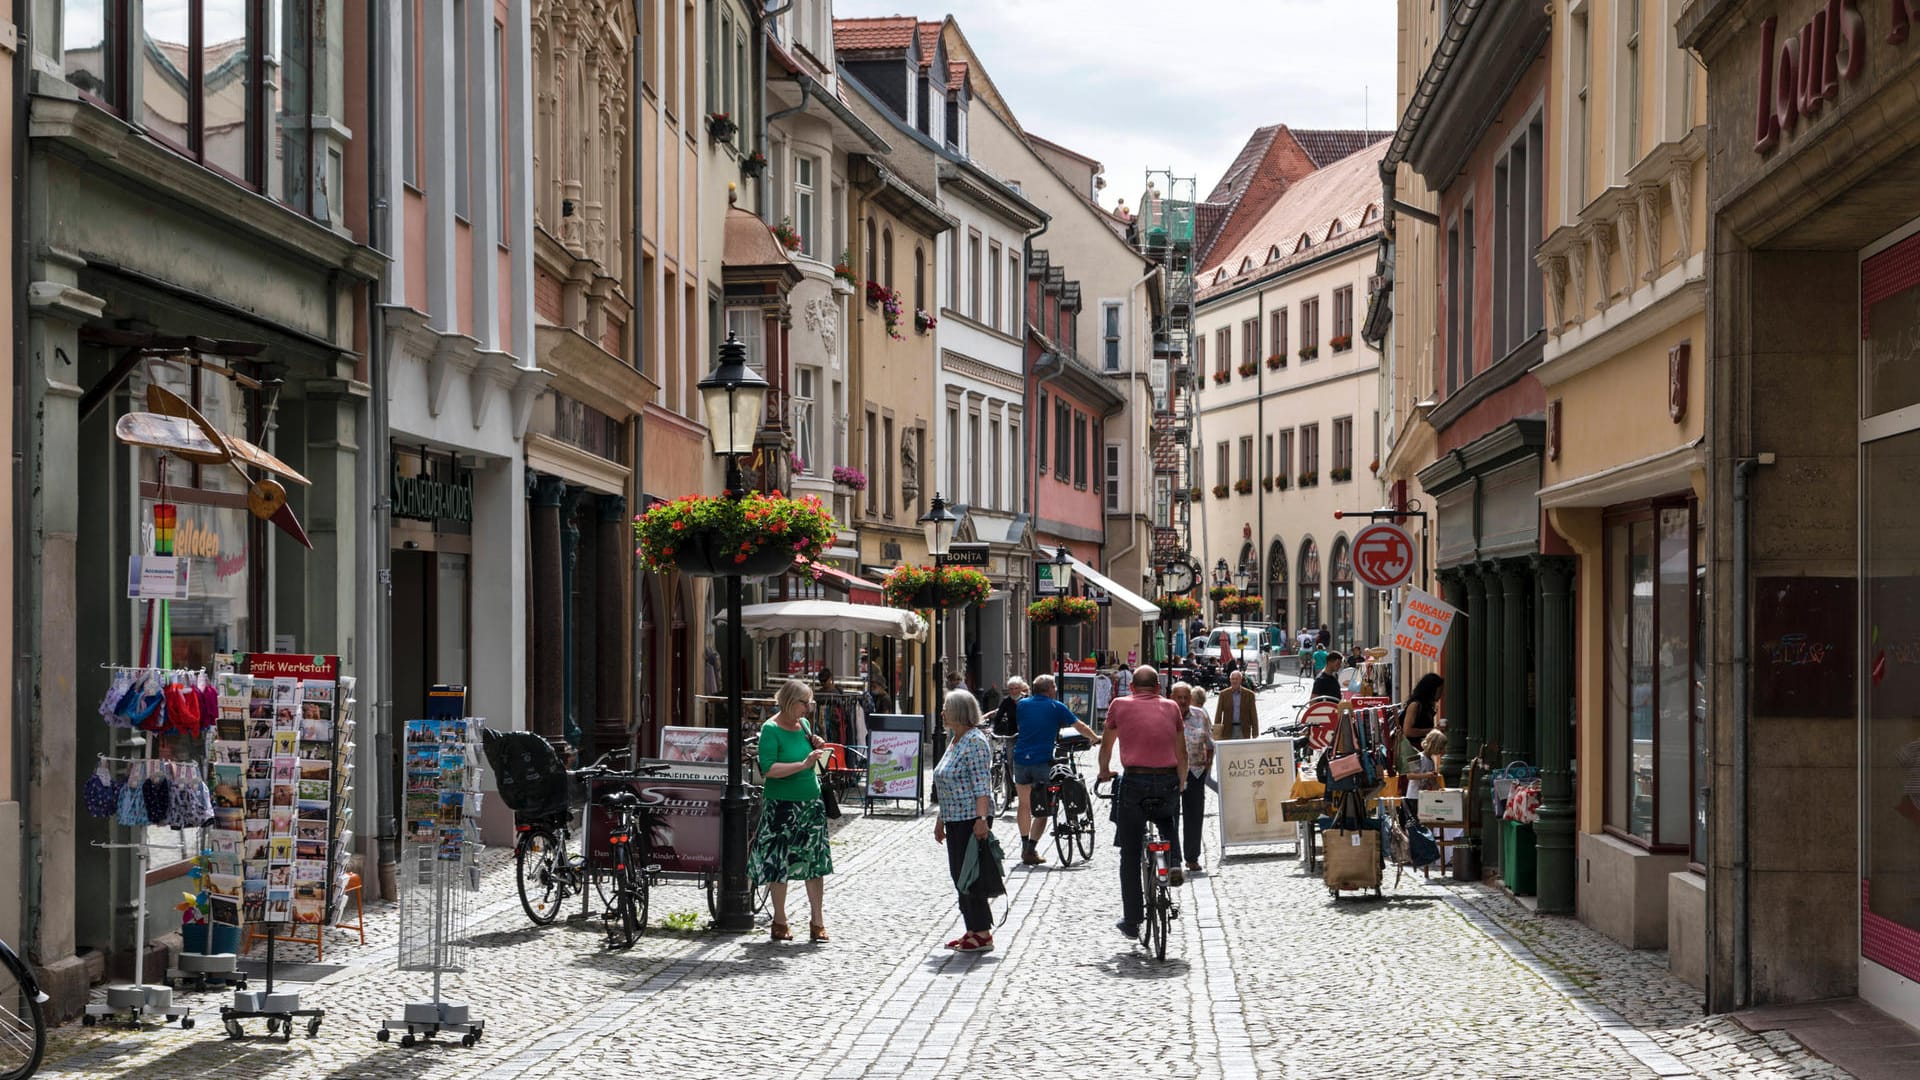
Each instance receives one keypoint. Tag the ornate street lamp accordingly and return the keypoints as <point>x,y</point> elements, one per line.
<point>1062,577</point>
<point>939,523</point>
<point>734,397</point>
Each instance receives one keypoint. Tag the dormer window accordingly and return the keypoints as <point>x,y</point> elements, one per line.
<point>1370,215</point>
<point>1335,229</point>
<point>1302,244</point>
<point>1246,264</point>
<point>1220,275</point>
<point>1273,254</point>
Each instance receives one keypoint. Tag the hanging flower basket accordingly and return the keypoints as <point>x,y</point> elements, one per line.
<point>1178,608</point>
<point>912,587</point>
<point>753,164</point>
<point>888,301</point>
<point>1240,604</point>
<point>721,126</point>
<point>1063,611</point>
<point>1221,592</point>
<point>923,320</point>
<point>714,536</point>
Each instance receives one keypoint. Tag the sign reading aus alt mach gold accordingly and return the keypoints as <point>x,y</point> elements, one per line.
<point>1256,776</point>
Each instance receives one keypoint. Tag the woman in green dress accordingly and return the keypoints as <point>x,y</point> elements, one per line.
<point>792,841</point>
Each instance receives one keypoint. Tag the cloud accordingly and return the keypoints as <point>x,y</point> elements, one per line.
<point>1140,85</point>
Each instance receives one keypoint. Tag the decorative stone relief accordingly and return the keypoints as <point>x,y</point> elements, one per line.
<point>823,318</point>
<point>1600,239</point>
<point>1680,187</point>
<point>1577,271</point>
<point>1555,267</point>
<point>1646,198</point>
<point>1625,220</point>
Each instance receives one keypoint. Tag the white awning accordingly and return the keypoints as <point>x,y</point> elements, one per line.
<point>799,616</point>
<point>1149,611</point>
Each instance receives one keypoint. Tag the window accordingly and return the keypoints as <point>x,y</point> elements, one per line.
<point>1110,337</point>
<point>1343,449</point>
<point>1310,452</point>
<point>1220,465</point>
<point>1222,350</point>
<point>886,256</point>
<point>993,463</point>
<point>887,460</point>
<point>993,292</point>
<point>873,463</point>
<point>1581,124</point>
<point>1079,449</point>
<point>670,39</point>
<point>1112,477</point>
<point>1013,291</point>
<point>1453,307</point>
<point>803,419</point>
<point>1278,323</point>
<point>919,278</point>
<point>93,50</point>
<point>1310,583</point>
<point>1250,342</point>
<point>953,453</point>
<point>1343,318</point>
<point>742,73</point>
<point>1340,577</point>
<point>650,56</point>
<point>1246,459</point>
<point>873,251</point>
<point>1041,442</point>
<point>1310,328</point>
<point>1266,462</point>
<point>1630,109</point>
<point>746,324</point>
<point>1199,355</point>
<point>973,276</point>
<point>1283,456</point>
<point>1062,441</point>
<point>920,455</point>
<point>805,186</point>
<point>953,271</point>
<point>1518,293</point>
<point>1650,589</point>
<point>1466,292</point>
<point>409,87</point>
<point>1017,479</point>
<point>504,195</point>
<point>973,459</point>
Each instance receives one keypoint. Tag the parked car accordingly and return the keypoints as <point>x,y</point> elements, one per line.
<point>1253,645</point>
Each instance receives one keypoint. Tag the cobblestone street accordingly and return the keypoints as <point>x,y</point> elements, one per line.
<point>1266,976</point>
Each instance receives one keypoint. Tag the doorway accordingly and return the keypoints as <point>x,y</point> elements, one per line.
<point>430,624</point>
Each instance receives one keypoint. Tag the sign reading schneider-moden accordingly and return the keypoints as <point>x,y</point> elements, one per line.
<point>428,497</point>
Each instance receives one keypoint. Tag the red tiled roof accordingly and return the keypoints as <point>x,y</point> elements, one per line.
<point>956,75</point>
<point>1327,147</point>
<point>929,42</point>
<point>1249,156</point>
<point>1347,191</point>
<point>886,32</point>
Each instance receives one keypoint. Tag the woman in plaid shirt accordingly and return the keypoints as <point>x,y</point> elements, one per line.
<point>963,783</point>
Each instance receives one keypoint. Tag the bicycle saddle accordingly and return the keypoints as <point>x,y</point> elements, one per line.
<point>618,800</point>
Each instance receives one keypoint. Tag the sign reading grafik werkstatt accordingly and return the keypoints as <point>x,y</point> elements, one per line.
<point>439,495</point>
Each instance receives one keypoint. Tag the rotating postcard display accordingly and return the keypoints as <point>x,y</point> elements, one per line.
<point>439,863</point>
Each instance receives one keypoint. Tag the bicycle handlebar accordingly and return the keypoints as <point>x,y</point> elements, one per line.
<point>599,773</point>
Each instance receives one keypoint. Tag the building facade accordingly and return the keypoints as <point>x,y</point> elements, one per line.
<point>1810,200</point>
<point>1286,430</point>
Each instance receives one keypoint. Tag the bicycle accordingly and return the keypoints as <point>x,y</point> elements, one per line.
<point>1004,792</point>
<point>548,872</point>
<point>1156,868</point>
<point>1066,791</point>
<point>630,874</point>
<point>23,1026</point>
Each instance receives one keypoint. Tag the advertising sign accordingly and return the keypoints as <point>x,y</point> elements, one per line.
<point>1256,776</point>
<point>964,554</point>
<point>1425,621</point>
<point>157,577</point>
<point>1383,555</point>
<point>693,744</point>
<point>684,803</point>
<point>1076,693</point>
<point>1044,581</point>
<point>893,764</point>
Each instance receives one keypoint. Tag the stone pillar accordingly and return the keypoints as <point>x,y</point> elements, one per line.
<point>1553,832</point>
<point>1494,712</point>
<point>1477,695</point>
<point>1515,742</point>
<point>1458,691</point>
<point>569,564</point>
<point>546,713</point>
<point>611,666</point>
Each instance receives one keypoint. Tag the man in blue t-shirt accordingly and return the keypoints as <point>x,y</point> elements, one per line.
<point>1041,719</point>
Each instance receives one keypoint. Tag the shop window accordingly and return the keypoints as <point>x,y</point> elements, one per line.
<point>1340,577</point>
<point>1309,582</point>
<point>1650,674</point>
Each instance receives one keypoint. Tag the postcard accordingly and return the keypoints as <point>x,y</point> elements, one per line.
<point>280,849</point>
<point>230,752</point>
<point>310,811</point>
<point>313,690</point>
<point>308,912</point>
<point>257,828</point>
<point>316,728</point>
<point>283,818</point>
<point>316,770</point>
<point>309,830</point>
<point>224,910</point>
<point>286,691</point>
<point>229,818</point>
<point>310,849</point>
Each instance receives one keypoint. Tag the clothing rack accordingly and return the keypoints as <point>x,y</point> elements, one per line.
<point>134,1004</point>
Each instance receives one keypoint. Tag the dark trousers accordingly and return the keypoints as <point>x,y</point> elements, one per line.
<point>973,910</point>
<point>1130,832</point>
<point>1193,814</point>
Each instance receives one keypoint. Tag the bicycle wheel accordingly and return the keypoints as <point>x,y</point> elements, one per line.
<point>1088,826</point>
<point>1158,915</point>
<point>1150,899</point>
<point>23,1028</point>
<point>628,913</point>
<point>537,863</point>
<point>1066,825</point>
<point>1009,791</point>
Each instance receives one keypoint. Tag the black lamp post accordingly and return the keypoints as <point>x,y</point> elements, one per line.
<point>734,397</point>
<point>1222,576</point>
<point>1062,576</point>
<point>939,523</point>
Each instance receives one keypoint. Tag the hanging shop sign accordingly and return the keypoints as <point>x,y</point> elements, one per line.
<point>1425,621</point>
<point>693,744</point>
<point>1383,555</point>
<point>1256,776</point>
<point>963,554</point>
<point>157,577</point>
<point>442,493</point>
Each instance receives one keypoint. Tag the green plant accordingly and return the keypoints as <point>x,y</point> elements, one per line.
<point>905,586</point>
<point>1221,592</point>
<point>1341,476</point>
<point>788,236</point>
<point>1240,604</point>
<point>1219,491</point>
<point>744,526</point>
<point>843,268</point>
<point>1178,607</point>
<point>682,922</point>
<point>1243,485</point>
<point>1063,610</point>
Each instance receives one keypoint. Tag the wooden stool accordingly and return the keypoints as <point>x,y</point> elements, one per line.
<point>295,935</point>
<point>359,923</point>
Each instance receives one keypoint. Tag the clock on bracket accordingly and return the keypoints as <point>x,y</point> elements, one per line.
<point>1180,577</point>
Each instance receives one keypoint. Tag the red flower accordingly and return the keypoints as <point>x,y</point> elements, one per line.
<point>679,525</point>
<point>739,558</point>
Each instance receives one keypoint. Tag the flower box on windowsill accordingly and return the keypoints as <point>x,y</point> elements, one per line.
<point>1309,352</point>
<point>753,165</point>
<point>1341,476</point>
<point>1309,479</point>
<point>1249,369</point>
<point>1276,361</point>
<point>1244,487</point>
<point>1281,483</point>
<point>721,127</point>
<point>1341,342</point>
<point>1221,376</point>
<point>1266,483</point>
<point>1219,491</point>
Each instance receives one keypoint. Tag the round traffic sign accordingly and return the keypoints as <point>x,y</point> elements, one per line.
<point>1383,555</point>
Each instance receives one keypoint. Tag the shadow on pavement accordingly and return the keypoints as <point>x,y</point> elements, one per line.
<point>500,939</point>
<point>433,1057</point>
<point>1138,965</point>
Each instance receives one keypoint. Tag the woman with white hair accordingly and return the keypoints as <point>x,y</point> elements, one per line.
<point>963,782</point>
<point>792,841</point>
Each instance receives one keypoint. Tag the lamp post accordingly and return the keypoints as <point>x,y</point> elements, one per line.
<point>734,397</point>
<point>1222,576</point>
<point>1062,576</point>
<point>939,523</point>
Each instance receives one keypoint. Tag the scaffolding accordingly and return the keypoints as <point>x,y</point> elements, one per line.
<point>1163,233</point>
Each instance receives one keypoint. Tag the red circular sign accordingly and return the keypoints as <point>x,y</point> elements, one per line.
<point>1383,555</point>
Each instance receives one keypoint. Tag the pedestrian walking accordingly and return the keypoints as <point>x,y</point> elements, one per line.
<point>1005,717</point>
<point>1237,716</point>
<point>963,783</point>
<point>1327,683</point>
<point>1193,799</point>
<point>792,842</point>
<point>1151,734</point>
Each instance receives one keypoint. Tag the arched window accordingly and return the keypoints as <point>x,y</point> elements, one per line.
<point>873,252</point>
<point>919,278</point>
<point>1341,578</point>
<point>886,256</point>
<point>1309,583</point>
<point>1277,585</point>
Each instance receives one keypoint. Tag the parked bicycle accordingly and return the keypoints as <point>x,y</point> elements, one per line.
<point>23,1027</point>
<point>1064,799</point>
<point>1156,887</point>
<point>629,871</point>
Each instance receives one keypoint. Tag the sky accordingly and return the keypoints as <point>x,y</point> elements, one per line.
<point>1175,84</point>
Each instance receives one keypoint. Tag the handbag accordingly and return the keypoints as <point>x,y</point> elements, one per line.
<point>829,802</point>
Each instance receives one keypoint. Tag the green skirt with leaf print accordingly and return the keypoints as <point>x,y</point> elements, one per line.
<point>792,842</point>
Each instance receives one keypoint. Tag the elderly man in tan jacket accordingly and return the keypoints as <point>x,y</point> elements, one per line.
<point>1236,716</point>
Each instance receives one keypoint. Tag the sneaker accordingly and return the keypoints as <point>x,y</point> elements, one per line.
<point>1176,878</point>
<point>1032,857</point>
<point>1130,931</point>
<point>976,943</point>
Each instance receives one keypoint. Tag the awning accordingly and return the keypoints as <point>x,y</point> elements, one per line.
<point>800,616</point>
<point>867,592</point>
<point>1149,611</point>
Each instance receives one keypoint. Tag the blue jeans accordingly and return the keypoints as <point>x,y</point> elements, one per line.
<point>1130,832</point>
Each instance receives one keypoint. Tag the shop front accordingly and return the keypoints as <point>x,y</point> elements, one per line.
<point>1813,828</point>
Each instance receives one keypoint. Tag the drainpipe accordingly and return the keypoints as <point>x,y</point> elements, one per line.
<point>639,329</point>
<point>376,608</point>
<point>1743,471</point>
<point>1033,401</point>
<point>1259,429</point>
<point>762,14</point>
<point>22,465</point>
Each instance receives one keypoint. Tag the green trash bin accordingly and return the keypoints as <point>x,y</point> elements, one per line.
<point>1517,857</point>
